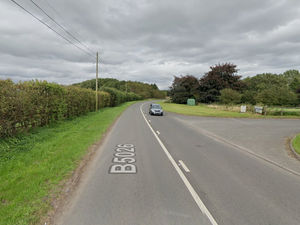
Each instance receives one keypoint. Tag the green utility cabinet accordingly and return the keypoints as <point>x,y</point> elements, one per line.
<point>191,101</point>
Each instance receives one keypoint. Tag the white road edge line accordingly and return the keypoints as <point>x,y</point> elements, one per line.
<point>184,166</point>
<point>158,132</point>
<point>194,194</point>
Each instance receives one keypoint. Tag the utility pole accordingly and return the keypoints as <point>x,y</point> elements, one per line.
<point>97,82</point>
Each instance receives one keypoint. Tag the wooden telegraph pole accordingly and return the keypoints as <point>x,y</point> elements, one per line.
<point>97,82</point>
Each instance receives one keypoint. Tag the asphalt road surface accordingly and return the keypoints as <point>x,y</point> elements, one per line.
<point>190,170</point>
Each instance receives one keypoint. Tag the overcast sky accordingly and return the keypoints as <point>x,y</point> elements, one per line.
<point>148,40</point>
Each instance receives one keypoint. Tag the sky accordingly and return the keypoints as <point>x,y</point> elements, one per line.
<point>147,40</point>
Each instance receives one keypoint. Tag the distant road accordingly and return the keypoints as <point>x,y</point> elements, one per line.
<point>190,170</point>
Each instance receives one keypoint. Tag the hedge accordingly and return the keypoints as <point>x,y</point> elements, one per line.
<point>38,103</point>
<point>118,97</point>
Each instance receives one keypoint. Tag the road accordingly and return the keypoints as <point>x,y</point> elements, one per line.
<point>190,170</point>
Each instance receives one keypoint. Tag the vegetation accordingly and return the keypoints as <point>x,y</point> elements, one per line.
<point>225,111</point>
<point>142,89</point>
<point>203,110</point>
<point>30,104</point>
<point>222,84</point>
<point>271,89</point>
<point>33,165</point>
<point>296,143</point>
<point>229,96</point>
<point>218,78</point>
<point>184,88</point>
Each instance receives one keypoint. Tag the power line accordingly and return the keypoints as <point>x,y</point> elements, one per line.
<point>88,53</point>
<point>59,15</point>
<point>62,27</point>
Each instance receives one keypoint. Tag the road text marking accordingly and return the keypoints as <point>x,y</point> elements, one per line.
<point>184,166</point>
<point>192,191</point>
<point>123,160</point>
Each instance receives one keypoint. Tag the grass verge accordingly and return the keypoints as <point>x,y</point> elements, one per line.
<point>33,165</point>
<point>296,143</point>
<point>203,110</point>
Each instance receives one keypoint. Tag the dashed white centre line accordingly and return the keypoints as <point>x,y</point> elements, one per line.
<point>184,166</point>
<point>192,191</point>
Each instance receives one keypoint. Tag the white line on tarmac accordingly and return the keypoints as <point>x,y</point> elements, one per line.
<point>184,166</point>
<point>194,194</point>
<point>158,132</point>
<point>243,149</point>
<point>149,121</point>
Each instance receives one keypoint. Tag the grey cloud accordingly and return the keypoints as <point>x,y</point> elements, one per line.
<point>149,41</point>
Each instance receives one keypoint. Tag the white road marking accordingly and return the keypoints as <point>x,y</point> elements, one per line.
<point>158,132</point>
<point>184,166</point>
<point>194,194</point>
<point>242,149</point>
<point>149,121</point>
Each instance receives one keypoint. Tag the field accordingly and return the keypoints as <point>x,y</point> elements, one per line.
<point>227,111</point>
<point>33,165</point>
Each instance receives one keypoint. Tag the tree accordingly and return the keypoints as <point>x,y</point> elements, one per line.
<point>142,89</point>
<point>281,96</point>
<point>260,82</point>
<point>298,95</point>
<point>229,96</point>
<point>184,87</point>
<point>248,96</point>
<point>293,79</point>
<point>220,76</point>
<point>272,89</point>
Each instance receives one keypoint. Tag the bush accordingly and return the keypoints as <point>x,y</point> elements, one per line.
<point>117,97</point>
<point>38,103</point>
<point>249,97</point>
<point>79,101</point>
<point>229,96</point>
<point>277,96</point>
<point>103,99</point>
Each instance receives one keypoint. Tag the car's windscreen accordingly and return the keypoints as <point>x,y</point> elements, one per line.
<point>155,107</point>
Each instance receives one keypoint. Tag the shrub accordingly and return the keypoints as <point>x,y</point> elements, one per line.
<point>277,96</point>
<point>38,103</point>
<point>117,97</point>
<point>103,99</point>
<point>229,96</point>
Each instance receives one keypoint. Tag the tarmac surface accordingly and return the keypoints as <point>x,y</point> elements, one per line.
<point>176,169</point>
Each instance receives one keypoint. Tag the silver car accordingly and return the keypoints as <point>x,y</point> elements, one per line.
<point>156,109</point>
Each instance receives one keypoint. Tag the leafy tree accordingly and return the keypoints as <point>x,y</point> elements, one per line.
<point>184,87</point>
<point>229,96</point>
<point>298,95</point>
<point>282,96</point>
<point>293,79</point>
<point>260,82</point>
<point>142,89</point>
<point>248,96</point>
<point>220,76</point>
<point>272,89</point>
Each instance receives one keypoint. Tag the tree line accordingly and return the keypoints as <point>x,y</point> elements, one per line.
<point>222,84</point>
<point>142,89</point>
<point>30,104</point>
